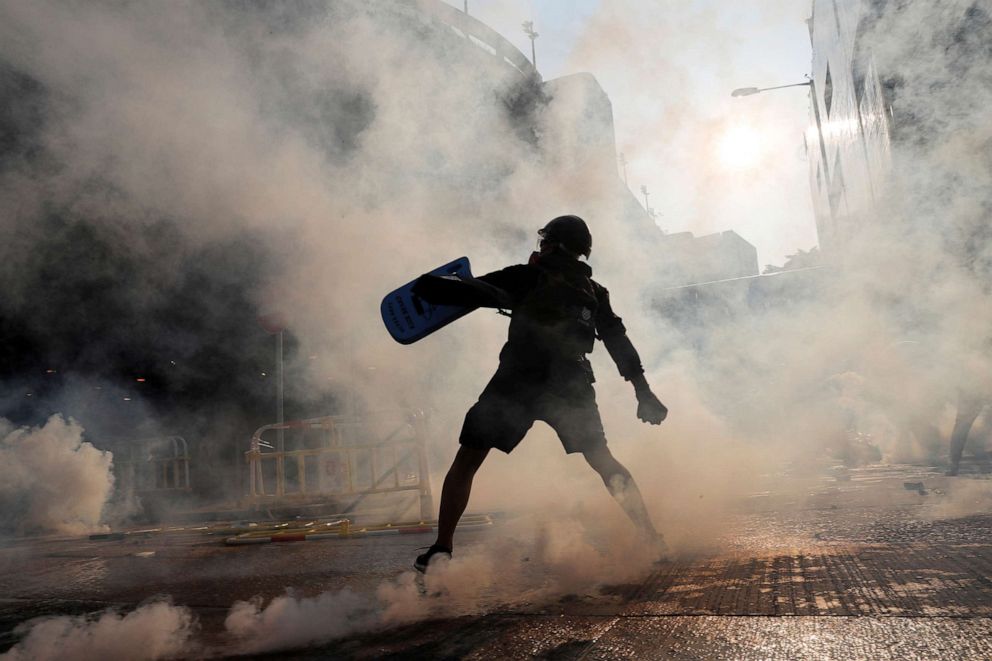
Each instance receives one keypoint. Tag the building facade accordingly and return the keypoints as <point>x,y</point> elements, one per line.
<point>848,141</point>
<point>896,85</point>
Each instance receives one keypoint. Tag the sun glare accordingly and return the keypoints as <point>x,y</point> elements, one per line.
<point>739,148</point>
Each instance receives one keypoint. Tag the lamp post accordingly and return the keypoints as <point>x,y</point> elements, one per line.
<point>644,189</point>
<point>748,91</point>
<point>529,31</point>
<point>274,323</point>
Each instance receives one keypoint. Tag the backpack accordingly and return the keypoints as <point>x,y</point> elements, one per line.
<point>556,320</point>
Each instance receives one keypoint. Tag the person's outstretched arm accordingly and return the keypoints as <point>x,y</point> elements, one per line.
<point>499,289</point>
<point>467,292</point>
<point>614,335</point>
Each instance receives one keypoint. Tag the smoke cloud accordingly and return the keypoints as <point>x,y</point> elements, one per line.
<point>183,165</point>
<point>244,154</point>
<point>51,480</point>
<point>154,631</point>
<point>294,622</point>
<point>537,561</point>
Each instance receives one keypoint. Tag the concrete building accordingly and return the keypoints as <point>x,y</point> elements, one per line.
<point>849,142</point>
<point>901,173</point>
<point>892,81</point>
<point>719,256</point>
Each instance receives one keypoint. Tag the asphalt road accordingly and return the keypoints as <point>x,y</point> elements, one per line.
<point>861,569</point>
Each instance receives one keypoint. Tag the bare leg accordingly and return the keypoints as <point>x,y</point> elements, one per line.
<point>456,490</point>
<point>623,488</point>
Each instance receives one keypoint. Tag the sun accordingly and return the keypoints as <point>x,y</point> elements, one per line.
<point>739,148</point>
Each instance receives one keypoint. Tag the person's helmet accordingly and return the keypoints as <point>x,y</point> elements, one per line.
<point>569,231</point>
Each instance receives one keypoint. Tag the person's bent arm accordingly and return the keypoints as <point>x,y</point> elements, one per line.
<point>614,335</point>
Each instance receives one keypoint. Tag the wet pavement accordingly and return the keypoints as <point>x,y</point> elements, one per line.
<point>687,637</point>
<point>860,567</point>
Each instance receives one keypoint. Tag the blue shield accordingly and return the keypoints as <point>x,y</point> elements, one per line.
<point>409,318</point>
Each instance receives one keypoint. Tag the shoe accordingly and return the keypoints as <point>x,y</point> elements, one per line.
<point>424,559</point>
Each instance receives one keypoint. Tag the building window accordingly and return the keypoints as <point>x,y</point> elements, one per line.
<point>828,90</point>
<point>836,17</point>
<point>836,187</point>
<point>860,84</point>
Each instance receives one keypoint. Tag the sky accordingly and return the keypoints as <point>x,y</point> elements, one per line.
<point>710,162</point>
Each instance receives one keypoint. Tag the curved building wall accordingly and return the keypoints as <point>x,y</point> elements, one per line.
<point>474,32</point>
<point>899,119</point>
<point>848,140</point>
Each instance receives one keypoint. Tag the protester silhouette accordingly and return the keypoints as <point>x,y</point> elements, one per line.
<point>558,311</point>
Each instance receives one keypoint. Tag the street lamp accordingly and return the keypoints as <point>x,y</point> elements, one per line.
<point>748,91</point>
<point>644,189</point>
<point>528,27</point>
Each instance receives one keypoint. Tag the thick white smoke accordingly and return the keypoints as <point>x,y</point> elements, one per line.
<point>51,480</point>
<point>670,86</point>
<point>289,621</point>
<point>228,123</point>
<point>306,132</point>
<point>154,631</point>
<point>536,562</point>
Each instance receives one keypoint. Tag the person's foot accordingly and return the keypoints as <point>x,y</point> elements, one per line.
<point>655,543</point>
<point>424,559</point>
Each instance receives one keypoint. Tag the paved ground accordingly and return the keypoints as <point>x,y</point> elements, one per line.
<point>862,568</point>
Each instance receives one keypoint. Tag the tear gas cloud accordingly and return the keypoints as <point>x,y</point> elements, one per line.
<point>670,86</point>
<point>340,153</point>
<point>51,480</point>
<point>670,89</point>
<point>557,551</point>
<point>290,131</point>
<point>157,630</point>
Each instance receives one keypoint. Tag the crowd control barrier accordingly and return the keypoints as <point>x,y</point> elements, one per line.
<point>342,459</point>
<point>153,465</point>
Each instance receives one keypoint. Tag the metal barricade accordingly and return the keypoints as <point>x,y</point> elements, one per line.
<point>341,458</point>
<point>153,465</point>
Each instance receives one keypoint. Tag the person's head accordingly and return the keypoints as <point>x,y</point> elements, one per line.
<point>567,233</point>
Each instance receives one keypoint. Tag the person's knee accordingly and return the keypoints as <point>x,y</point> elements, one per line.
<point>614,475</point>
<point>597,458</point>
<point>604,463</point>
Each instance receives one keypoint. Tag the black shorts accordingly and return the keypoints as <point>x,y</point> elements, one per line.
<point>511,403</point>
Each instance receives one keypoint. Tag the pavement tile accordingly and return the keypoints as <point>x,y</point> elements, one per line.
<point>863,570</point>
<point>703,638</point>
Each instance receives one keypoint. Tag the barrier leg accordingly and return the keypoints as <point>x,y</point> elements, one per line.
<point>426,505</point>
